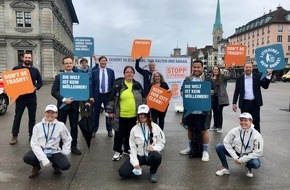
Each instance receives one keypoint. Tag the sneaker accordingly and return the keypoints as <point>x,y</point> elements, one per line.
<point>110,134</point>
<point>35,171</point>
<point>152,177</point>
<point>249,172</point>
<point>185,151</point>
<point>219,130</point>
<point>213,128</point>
<point>222,172</point>
<point>117,156</point>
<point>76,151</point>
<point>13,140</point>
<point>205,156</point>
<point>126,152</point>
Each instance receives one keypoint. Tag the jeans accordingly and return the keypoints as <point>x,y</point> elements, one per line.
<point>217,113</point>
<point>222,152</point>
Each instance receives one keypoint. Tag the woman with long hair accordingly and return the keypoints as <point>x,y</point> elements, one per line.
<point>146,141</point>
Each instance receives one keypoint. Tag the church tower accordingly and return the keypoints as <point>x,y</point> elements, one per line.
<point>217,27</point>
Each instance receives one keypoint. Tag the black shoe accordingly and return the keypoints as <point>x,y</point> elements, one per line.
<point>110,134</point>
<point>76,151</point>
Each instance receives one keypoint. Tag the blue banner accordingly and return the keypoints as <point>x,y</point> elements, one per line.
<point>83,47</point>
<point>196,96</point>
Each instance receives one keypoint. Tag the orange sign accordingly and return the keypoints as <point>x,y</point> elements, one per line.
<point>158,98</point>
<point>235,54</point>
<point>141,48</point>
<point>17,82</point>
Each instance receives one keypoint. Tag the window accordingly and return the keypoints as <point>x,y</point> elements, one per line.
<point>23,19</point>
<point>258,32</point>
<point>279,38</point>
<point>253,43</point>
<point>288,38</point>
<point>262,41</point>
<point>269,29</point>
<point>253,51</point>
<point>288,29</point>
<point>263,31</point>
<point>257,42</point>
<point>288,48</point>
<point>253,33</point>
<point>268,40</point>
<point>280,28</point>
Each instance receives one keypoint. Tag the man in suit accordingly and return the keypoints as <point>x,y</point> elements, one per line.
<point>102,81</point>
<point>147,74</point>
<point>248,91</point>
<point>71,108</point>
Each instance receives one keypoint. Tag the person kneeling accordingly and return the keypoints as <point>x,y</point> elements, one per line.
<point>146,141</point>
<point>45,144</point>
<point>244,144</point>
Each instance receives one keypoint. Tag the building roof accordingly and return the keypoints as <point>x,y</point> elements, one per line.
<point>279,16</point>
<point>72,11</point>
<point>218,23</point>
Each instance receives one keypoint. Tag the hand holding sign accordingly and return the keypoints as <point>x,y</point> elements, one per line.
<point>270,58</point>
<point>140,48</point>
<point>158,98</point>
<point>17,82</point>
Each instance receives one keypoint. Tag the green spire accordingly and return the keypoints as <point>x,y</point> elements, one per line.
<point>218,23</point>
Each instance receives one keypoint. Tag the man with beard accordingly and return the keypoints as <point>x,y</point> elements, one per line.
<point>28,100</point>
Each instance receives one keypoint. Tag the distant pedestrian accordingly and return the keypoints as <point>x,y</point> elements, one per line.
<point>244,144</point>
<point>45,142</point>
<point>147,140</point>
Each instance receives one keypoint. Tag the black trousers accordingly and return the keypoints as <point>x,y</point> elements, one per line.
<point>21,104</point>
<point>58,160</point>
<point>217,113</point>
<point>102,98</point>
<point>153,160</point>
<point>251,107</point>
<point>122,135</point>
<point>158,117</point>
<point>73,120</point>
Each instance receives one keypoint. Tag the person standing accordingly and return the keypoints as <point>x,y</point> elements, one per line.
<point>220,96</point>
<point>244,144</point>
<point>101,85</point>
<point>28,100</point>
<point>248,91</point>
<point>158,116</point>
<point>71,108</point>
<point>127,94</point>
<point>198,120</point>
<point>45,142</point>
<point>147,74</point>
<point>146,140</point>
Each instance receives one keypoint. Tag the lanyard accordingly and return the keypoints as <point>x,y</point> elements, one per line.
<point>242,140</point>
<point>144,133</point>
<point>46,135</point>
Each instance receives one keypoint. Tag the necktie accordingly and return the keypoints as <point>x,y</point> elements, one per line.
<point>103,82</point>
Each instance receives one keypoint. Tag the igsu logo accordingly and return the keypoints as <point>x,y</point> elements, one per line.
<point>270,58</point>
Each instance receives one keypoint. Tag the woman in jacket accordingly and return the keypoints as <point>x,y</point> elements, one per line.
<point>244,144</point>
<point>146,142</point>
<point>220,97</point>
<point>158,116</point>
<point>127,94</point>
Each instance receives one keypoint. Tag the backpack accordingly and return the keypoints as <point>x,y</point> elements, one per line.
<point>196,144</point>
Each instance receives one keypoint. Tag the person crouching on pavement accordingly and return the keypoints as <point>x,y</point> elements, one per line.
<point>244,144</point>
<point>146,141</point>
<point>44,143</point>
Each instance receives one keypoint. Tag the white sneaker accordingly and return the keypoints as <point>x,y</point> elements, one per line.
<point>222,172</point>
<point>249,173</point>
<point>117,156</point>
<point>219,130</point>
<point>205,156</point>
<point>185,151</point>
<point>213,128</point>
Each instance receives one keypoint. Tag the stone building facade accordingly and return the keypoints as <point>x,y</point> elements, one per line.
<point>42,27</point>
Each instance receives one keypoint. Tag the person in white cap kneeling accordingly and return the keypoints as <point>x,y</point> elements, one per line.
<point>146,141</point>
<point>45,146</point>
<point>244,144</point>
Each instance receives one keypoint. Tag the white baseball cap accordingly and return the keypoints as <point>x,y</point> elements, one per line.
<point>246,115</point>
<point>143,109</point>
<point>51,107</point>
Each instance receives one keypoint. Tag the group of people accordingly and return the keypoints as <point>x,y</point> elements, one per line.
<point>124,100</point>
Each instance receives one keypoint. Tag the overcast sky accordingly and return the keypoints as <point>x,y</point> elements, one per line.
<point>114,24</point>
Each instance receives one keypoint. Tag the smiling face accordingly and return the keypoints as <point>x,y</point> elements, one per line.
<point>129,74</point>
<point>103,62</point>
<point>67,64</point>
<point>245,123</point>
<point>151,66</point>
<point>197,69</point>
<point>50,115</point>
<point>215,71</point>
<point>157,77</point>
<point>248,69</point>
<point>142,118</point>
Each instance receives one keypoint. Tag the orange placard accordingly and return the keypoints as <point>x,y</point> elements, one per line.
<point>158,98</point>
<point>235,54</point>
<point>140,48</point>
<point>16,83</point>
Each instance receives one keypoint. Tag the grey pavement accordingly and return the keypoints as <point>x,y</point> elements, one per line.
<point>94,169</point>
